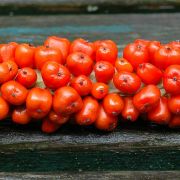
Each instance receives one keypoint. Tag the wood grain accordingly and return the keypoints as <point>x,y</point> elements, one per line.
<point>120,28</point>
<point>139,146</point>
<point>125,175</point>
<point>88,6</point>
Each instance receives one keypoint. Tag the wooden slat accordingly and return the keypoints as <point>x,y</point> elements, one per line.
<point>120,28</point>
<point>130,147</point>
<point>150,175</point>
<point>88,6</point>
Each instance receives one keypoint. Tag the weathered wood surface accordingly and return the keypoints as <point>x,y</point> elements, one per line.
<point>86,6</point>
<point>123,175</point>
<point>135,147</point>
<point>122,28</point>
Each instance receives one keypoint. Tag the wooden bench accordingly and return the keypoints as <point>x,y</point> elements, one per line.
<point>137,151</point>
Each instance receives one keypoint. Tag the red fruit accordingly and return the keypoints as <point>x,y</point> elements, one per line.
<point>4,108</point>
<point>107,51</point>
<point>136,54</point>
<point>174,104</point>
<point>171,79</point>
<point>14,93</point>
<point>57,118</point>
<point>49,126</point>
<point>113,104</point>
<point>81,45</point>
<point>44,54</point>
<point>153,46</point>
<point>82,84</point>
<point>175,122</point>
<point>165,56</point>
<point>55,75</point>
<point>62,44</point>
<point>79,63</point>
<point>67,101</point>
<point>89,112</point>
<point>122,64</point>
<point>104,71</point>
<point>8,71</point>
<point>175,44</point>
<point>99,90</point>
<point>7,51</point>
<point>24,55</point>
<point>105,121</point>
<point>147,98</point>
<point>27,77</point>
<point>149,73</point>
<point>129,111</point>
<point>127,82</point>
<point>38,102</point>
<point>20,115</point>
<point>106,42</point>
<point>142,42</point>
<point>160,114</point>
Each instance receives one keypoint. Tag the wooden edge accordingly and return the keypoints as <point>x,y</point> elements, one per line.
<point>50,146</point>
<point>89,6</point>
<point>96,175</point>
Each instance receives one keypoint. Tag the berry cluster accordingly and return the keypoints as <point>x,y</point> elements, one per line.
<point>87,83</point>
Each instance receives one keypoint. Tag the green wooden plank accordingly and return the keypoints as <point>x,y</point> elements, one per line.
<point>122,29</point>
<point>130,147</point>
<point>88,160</point>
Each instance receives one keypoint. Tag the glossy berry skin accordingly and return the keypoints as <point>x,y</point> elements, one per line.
<point>175,122</point>
<point>160,114</point>
<point>127,82</point>
<point>122,64</point>
<point>149,73</point>
<point>171,79</point>
<point>55,75</point>
<point>106,42</point>
<point>62,44</point>
<point>107,51</point>
<point>14,93</point>
<point>175,44</point>
<point>129,111</point>
<point>24,55</point>
<point>67,101</point>
<point>20,115</point>
<point>89,112</point>
<point>4,108</point>
<point>113,104</point>
<point>7,51</point>
<point>174,104</point>
<point>84,46</point>
<point>99,90</point>
<point>82,84</point>
<point>27,77</point>
<point>136,54</point>
<point>79,63</point>
<point>152,47</point>
<point>49,126</point>
<point>165,56</point>
<point>142,42</point>
<point>147,98</point>
<point>38,102</point>
<point>105,121</point>
<point>57,118</point>
<point>8,71</point>
<point>44,54</point>
<point>104,71</point>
